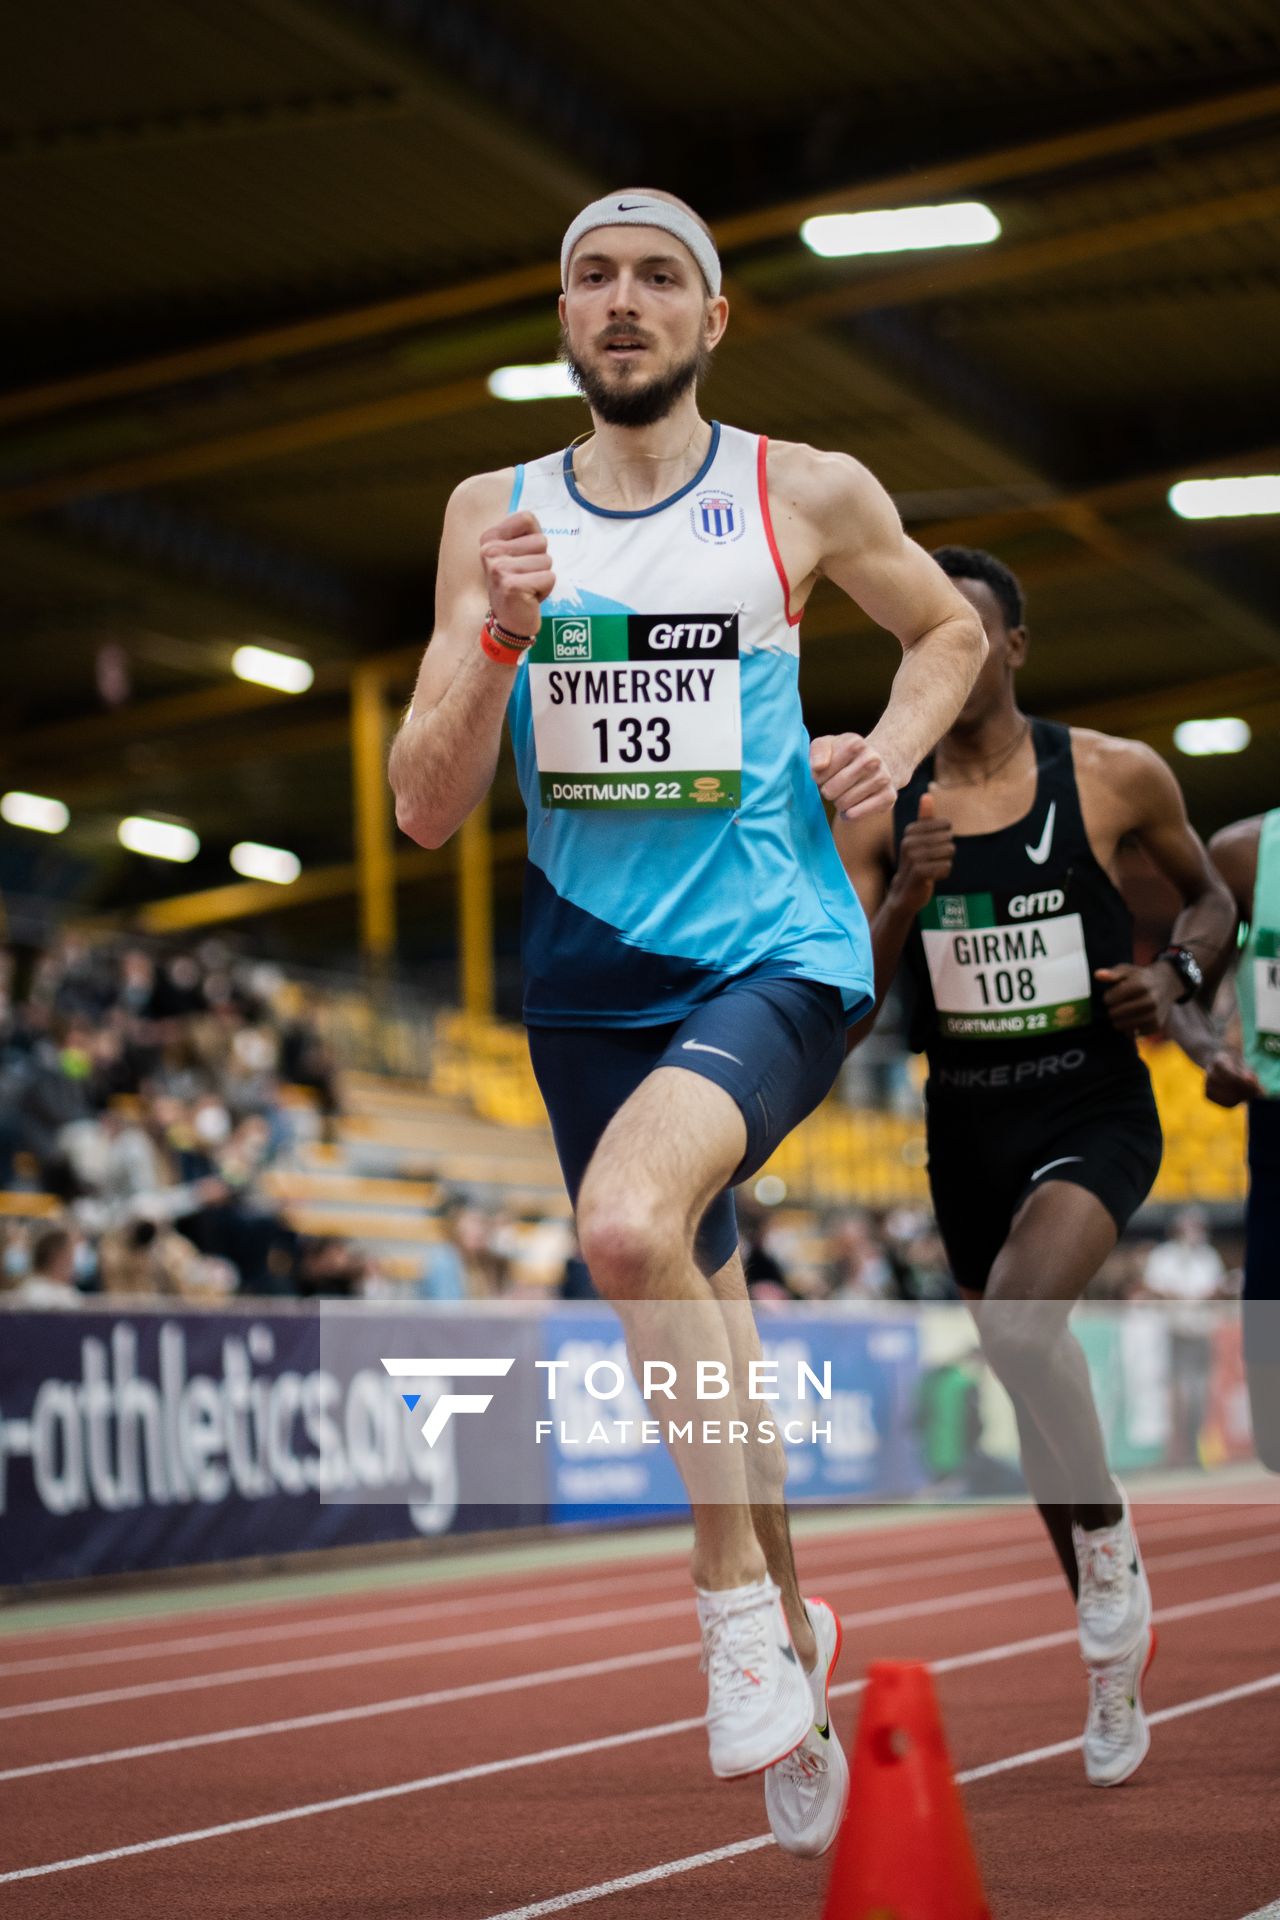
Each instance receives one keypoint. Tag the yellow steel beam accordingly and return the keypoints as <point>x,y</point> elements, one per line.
<point>475,912</point>
<point>1023,162</point>
<point>251,444</point>
<point>245,900</point>
<point>901,287</point>
<point>964,272</point>
<point>145,719</point>
<point>374,854</point>
<point>277,344</point>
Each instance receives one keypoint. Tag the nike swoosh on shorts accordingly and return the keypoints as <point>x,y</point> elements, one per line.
<point>1067,1160</point>
<point>1039,854</point>
<point>696,1046</point>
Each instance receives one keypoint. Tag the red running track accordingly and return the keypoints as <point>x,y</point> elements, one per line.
<point>519,1744</point>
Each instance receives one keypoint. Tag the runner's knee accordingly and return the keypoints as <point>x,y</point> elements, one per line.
<point>626,1244</point>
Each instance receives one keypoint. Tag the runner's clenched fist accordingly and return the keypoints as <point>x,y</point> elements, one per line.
<point>517,572</point>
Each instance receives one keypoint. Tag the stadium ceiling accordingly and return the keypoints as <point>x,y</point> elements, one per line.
<point>263,256</point>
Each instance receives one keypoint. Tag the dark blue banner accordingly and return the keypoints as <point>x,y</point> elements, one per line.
<point>141,1439</point>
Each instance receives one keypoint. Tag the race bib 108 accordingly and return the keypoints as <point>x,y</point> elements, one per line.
<point>1006,967</point>
<point>637,710</point>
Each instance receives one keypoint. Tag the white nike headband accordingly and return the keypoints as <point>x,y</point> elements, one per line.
<point>637,210</point>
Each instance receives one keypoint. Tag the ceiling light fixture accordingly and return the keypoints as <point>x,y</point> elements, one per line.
<point>1229,498</point>
<point>257,862</point>
<point>1199,738</point>
<point>551,380</point>
<point>35,811</point>
<point>837,236</point>
<point>286,672</point>
<point>158,839</point>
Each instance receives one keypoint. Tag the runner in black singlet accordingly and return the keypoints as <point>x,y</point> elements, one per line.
<point>994,886</point>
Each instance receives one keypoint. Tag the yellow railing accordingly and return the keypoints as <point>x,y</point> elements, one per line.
<point>843,1155</point>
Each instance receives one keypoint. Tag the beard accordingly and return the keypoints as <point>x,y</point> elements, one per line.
<point>638,405</point>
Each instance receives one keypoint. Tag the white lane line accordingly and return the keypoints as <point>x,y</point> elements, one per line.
<point>562,1902</point>
<point>594,1622</point>
<point>1213,1516</point>
<point>377,1618</point>
<point>375,1795</point>
<point>583,1896</point>
<point>588,1670</point>
<point>421,1611</point>
<point>522,1586</point>
<point>1059,1747</point>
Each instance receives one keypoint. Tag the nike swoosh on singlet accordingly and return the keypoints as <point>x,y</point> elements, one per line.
<point>1039,854</point>
<point>696,1046</point>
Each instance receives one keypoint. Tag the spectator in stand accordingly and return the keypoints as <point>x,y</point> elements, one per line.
<point>52,1279</point>
<point>1188,1269</point>
<point>1186,1266</point>
<point>444,1272</point>
<point>767,1278</point>
<point>858,1269</point>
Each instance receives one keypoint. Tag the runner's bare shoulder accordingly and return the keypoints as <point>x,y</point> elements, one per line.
<point>479,502</point>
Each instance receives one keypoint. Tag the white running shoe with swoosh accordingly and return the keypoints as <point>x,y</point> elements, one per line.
<point>1114,1608</point>
<point>806,1794</point>
<point>1117,1737</point>
<point>759,1707</point>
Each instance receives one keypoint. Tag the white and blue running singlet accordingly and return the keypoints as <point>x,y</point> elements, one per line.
<point>677,839</point>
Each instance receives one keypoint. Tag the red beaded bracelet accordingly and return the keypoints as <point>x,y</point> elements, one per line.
<point>507,652</point>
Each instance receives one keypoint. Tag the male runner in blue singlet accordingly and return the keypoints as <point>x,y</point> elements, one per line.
<point>994,882</point>
<point>693,951</point>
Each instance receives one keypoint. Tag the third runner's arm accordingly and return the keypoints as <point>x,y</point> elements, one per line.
<point>1227,1080</point>
<point>837,519</point>
<point>1140,999</point>
<point>892,896</point>
<point>443,758</point>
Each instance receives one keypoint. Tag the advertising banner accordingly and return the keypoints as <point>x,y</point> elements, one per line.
<point>144,1439</point>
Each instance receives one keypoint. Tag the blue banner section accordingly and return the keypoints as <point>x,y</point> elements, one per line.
<point>136,1439</point>
<point>858,1442</point>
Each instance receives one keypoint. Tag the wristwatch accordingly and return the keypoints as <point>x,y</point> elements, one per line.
<point>1188,970</point>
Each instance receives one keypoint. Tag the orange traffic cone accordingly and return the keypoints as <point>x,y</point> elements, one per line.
<point>904,1851</point>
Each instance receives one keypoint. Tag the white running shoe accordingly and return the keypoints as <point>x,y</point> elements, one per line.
<point>759,1706</point>
<point>1114,1607</point>
<point>806,1793</point>
<point>1116,1734</point>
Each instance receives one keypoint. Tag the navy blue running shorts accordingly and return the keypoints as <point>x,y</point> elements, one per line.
<point>774,1045</point>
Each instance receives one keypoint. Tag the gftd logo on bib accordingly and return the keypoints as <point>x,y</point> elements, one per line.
<point>717,518</point>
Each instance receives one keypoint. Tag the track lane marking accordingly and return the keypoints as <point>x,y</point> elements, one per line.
<point>1233,1506</point>
<point>590,1623</point>
<point>378,1617</point>
<point>401,1789</point>
<point>588,1670</point>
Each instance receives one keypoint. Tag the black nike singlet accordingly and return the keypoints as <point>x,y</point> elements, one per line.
<point>999,966</point>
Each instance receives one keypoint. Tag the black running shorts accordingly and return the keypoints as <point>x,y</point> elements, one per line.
<point>984,1164</point>
<point>774,1045</point>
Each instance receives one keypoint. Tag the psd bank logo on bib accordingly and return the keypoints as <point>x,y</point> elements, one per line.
<point>717,518</point>
<point>571,639</point>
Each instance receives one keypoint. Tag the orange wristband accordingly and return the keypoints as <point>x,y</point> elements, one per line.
<point>496,650</point>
